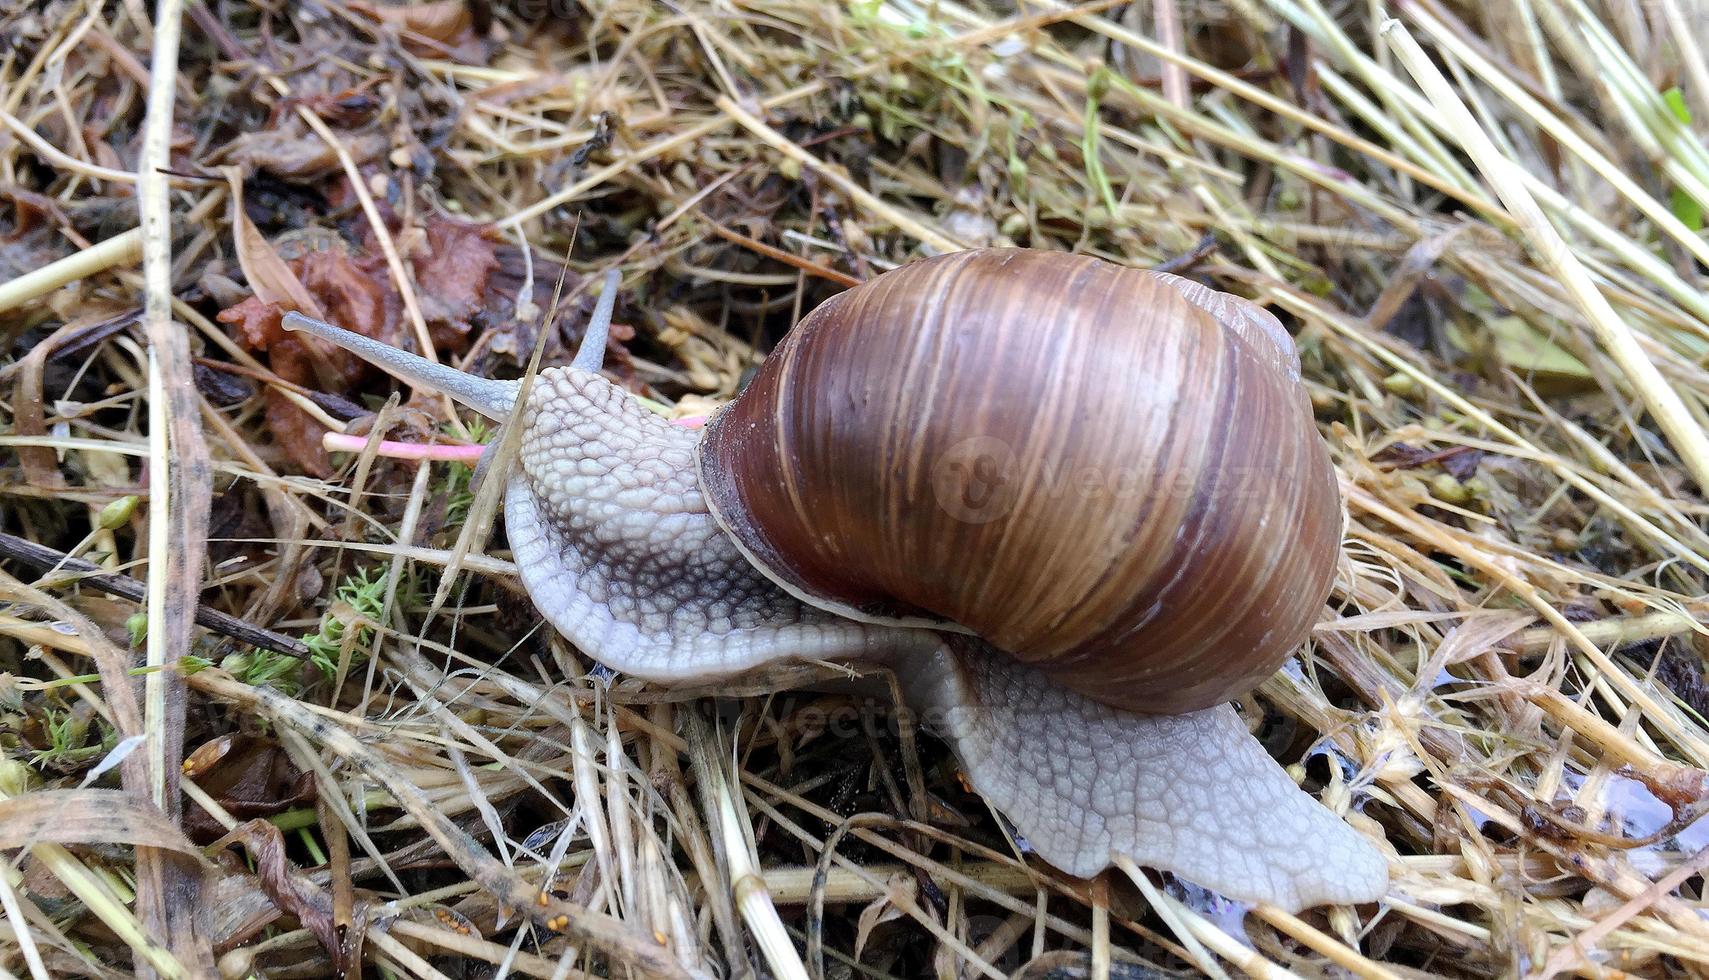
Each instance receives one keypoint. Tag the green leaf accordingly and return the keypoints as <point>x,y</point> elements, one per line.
<point>1097,86</point>
<point>1687,210</point>
<point>1527,351</point>
<point>1675,100</point>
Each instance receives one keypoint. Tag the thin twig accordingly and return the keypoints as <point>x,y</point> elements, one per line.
<point>43,559</point>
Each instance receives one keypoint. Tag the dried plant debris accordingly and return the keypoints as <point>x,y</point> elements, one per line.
<point>1506,694</point>
<point>248,776</point>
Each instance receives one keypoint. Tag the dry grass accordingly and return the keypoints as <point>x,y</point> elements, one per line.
<point>1482,221</point>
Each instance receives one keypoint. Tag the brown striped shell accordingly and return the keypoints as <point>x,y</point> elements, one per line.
<point>1107,472</point>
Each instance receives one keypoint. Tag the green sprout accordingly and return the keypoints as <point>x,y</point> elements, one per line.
<point>364,594</point>
<point>67,734</point>
<point>459,480</point>
<point>264,668</point>
<point>137,626</point>
<point>358,599</point>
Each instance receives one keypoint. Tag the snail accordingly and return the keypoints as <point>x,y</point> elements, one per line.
<point>1074,507</point>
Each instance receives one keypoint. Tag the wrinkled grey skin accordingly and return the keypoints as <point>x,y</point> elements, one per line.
<point>619,552</point>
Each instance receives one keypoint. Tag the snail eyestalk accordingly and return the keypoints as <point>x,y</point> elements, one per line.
<point>590,356</point>
<point>494,399</point>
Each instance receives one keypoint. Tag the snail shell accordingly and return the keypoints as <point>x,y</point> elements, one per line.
<point>1111,474</point>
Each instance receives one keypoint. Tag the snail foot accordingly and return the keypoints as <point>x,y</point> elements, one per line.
<point>1194,794</point>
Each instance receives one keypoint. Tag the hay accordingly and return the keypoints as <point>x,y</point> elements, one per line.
<point>1482,221</point>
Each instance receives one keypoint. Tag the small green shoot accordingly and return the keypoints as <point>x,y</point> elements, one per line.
<point>137,626</point>
<point>1686,209</point>
<point>362,595</point>
<point>459,479</point>
<point>68,745</point>
<point>1097,87</point>
<point>358,599</point>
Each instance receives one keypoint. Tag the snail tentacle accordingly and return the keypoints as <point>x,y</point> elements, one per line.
<point>1194,794</point>
<point>494,399</point>
<point>590,356</point>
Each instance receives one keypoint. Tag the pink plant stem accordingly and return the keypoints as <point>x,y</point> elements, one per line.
<point>449,452</point>
<point>338,442</point>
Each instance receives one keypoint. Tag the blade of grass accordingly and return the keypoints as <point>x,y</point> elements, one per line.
<point>181,490</point>
<point>1664,404</point>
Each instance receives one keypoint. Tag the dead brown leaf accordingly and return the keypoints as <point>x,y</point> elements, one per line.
<point>899,894</point>
<point>453,267</point>
<point>357,294</point>
<point>41,464</point>
<point>295,152</point>
<point>250,776</point>
<point>348,109</point>
<point>255,323</point>
<point>343,291</point>
<point>268,275</point>
<point>461,278</point>
<point>444,20</point>
<point>88,816</point>
<point>295,894</point>
<point>297,434</point>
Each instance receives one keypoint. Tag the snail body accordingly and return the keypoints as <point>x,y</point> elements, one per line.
<point>889,491</point>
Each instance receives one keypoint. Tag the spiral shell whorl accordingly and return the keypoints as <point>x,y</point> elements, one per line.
<point>1110,473</point>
